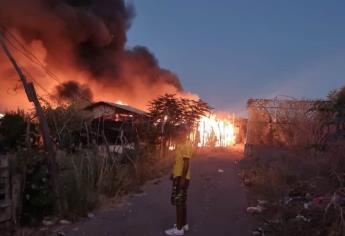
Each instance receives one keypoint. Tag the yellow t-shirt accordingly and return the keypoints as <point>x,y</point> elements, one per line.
<point>183,150</point>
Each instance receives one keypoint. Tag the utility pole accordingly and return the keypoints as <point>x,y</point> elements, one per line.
<point>32,97</point>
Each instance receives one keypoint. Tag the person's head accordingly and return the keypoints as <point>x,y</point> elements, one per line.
<point>182,134</point>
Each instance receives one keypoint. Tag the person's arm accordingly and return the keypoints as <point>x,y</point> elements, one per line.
<point>184,172</point>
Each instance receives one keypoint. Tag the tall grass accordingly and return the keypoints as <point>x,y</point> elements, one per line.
<point>86,177</point>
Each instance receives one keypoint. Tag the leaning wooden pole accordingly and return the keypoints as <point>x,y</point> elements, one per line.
<point>32,97</point>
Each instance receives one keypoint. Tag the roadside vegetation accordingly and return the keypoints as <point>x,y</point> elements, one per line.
<point>298,187</point>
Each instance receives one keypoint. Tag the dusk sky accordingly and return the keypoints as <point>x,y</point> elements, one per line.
<point>228,51</point>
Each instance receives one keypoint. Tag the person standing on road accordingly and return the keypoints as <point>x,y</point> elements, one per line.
<point>180,177</point>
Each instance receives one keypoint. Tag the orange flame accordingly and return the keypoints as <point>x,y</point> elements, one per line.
<point>216,132</point>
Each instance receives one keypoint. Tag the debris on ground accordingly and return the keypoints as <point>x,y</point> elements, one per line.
<point>48,221</point>
<point>293,204</point>
<point>220,171</point>
<point>60,233</point>
<point>262,202</point>
<point>255,209</point>
<point>65,222</point>
<point>302,218</point>
<point>247,182</point>
<point>91,215</point>
<point>320,201</point>
<point>258,232</point>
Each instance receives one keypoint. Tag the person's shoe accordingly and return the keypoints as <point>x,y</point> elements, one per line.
<point>185,227</point>
<point>174,231</point>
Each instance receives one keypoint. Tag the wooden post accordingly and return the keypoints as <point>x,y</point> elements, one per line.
<point>32,97</point>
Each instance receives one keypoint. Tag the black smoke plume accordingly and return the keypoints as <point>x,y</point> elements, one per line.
<point>72,91</point>
<point>90,36</point>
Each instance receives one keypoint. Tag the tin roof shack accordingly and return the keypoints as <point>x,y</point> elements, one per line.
<point>114,126</point>
<point>115,111</point>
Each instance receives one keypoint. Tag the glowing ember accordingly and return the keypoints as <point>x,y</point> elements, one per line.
<point>216,132</point>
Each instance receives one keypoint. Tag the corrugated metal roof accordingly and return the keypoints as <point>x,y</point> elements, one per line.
<point>119,106</point>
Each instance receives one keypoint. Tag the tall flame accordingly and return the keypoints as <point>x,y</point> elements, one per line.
<point>216,132</point>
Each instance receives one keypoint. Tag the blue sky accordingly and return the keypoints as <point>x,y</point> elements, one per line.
<point>228,51</point>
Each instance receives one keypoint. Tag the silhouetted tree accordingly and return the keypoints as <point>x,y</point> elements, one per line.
<point>169,113</point>
<point>12,130</point>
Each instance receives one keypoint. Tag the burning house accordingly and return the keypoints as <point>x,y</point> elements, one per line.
<point>114,125</point>
<point>115,111</point>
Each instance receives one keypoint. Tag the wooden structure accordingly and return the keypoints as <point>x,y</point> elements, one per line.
<point>5,194</point>
<point>115,111</point>
<point>9,194</point>
<point>114,127</point>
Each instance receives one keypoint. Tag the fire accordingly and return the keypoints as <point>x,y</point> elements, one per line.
<point>216,132</point>
<point>103,65</point>
<point>120,102</point>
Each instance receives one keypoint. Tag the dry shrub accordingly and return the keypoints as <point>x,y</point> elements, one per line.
<point>154,166</point>
<point>78,177</point>
<point>276,174</point>
<point>85,177</point>
<point>275,122</point>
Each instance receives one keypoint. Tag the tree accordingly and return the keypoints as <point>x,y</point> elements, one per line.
<point>331,117</point>
<point>67,124</point>
<point>337,99</point>
<point>337,96</point>
<point>12,130</point>
<point>169,113</point>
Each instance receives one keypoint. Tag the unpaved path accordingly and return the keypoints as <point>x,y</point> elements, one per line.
<point>216,205</point>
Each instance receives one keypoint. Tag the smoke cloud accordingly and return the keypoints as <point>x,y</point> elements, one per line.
<point>84,41</point>
<point>71,91</point>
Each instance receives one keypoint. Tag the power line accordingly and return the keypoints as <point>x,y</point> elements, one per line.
<point>36,82</point>
<point>21,45</point>
<point>24,51</point>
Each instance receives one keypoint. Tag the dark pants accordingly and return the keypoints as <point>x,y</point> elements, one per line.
<point>178,194</point>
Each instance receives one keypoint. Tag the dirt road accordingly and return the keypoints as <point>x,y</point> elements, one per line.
<point>216,205</point>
